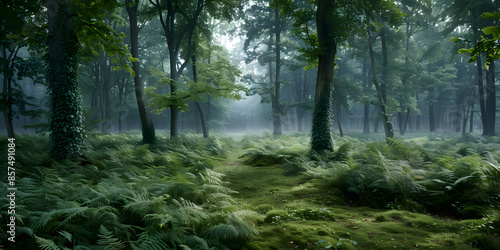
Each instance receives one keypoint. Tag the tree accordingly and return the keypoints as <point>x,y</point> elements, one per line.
<point>321,139</point>
<point>215,78</point>
<point>66,35</point>
<point>262,21</point>
<point>15,27</point>
<point>466,12</point>
<point>177,12</point>
<point>66,120</point>
<point>489,45</point>
<point>418,17</point>
<point>335,21</point>
<point>385,12</point>
<point>148,130</point>
<point>389,131</point>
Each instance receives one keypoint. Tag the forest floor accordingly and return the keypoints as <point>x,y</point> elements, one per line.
<point>300,212</point>
<point>257,192</point>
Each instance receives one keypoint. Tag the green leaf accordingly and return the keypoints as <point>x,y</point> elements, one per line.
<point>491,30</point>
<point>455,39</point>
<point>461,51</point>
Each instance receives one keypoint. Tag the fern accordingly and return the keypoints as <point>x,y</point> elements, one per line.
<point>46,244</point>
<point>154,240</point>
<point>161,196</point>
<point>107,240</point>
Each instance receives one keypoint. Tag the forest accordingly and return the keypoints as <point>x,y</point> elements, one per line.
<point>249,124</point>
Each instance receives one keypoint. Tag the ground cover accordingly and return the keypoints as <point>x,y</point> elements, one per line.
<point>303,208</point>
<point>258,192</point>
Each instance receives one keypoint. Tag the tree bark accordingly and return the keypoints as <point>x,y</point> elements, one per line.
<point>7,91</point>
<point>366,106</point>
<point>66,119</point>
<point>148,130</point>
<point>489,126</point>
<point>300,91</point>
<point>480,87</point>
<point>338,121</point>
<point>174,38</point>
<point>321,129</point>
<point>432,118</point>
<point>198,105</point>
<point>389,131</point>
<point>472,104</point>
<point>277,86</point>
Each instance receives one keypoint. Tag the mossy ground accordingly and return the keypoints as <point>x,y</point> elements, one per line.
<point>299,212</point>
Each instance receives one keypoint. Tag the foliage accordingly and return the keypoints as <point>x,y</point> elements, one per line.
<point>216,79</point>
<point>456,176</point>
<point>489,44</point>
<point>125,196</point>
<point>272,150</point>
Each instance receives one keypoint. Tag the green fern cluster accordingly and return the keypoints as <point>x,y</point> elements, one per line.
<point>456,176</point>
<point>124,196</point>
<point>271,150</point>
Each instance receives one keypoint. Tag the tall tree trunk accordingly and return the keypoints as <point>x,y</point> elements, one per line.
<point>321,130</point>
<point>338,121</point>
<point>121,103</point>
<point>385,64</point>
<point>459,112</point>
<point>489,126</point>
<point>106,78</point>
<point>202,119</point>
<point>432,118</point>
<point>405,124</point>
<point>66,118</point>
<point>7,113</point>
<point>148,130</point>
<point>480,87</point>
<point>366,106</point>
<point>472,104</point>
<point>7,91</point>
<point>466,114</point>
<point>277,85</point>
<point>198,105</point>
<point>389,131</point>
<point>174,39</point>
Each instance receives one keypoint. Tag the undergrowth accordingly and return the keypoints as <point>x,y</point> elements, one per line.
<point>456,177</point>
<point>125,196</point>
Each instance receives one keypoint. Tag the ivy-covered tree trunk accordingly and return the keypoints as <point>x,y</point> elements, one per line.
<point>66,119</point>
<point>321,127</point>
<point>148,130</point>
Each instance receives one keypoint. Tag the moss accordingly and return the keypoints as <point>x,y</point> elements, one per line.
<point>472,212</point>
<point>380,218</point>
<point>267,189</point>
<point>482,241</point>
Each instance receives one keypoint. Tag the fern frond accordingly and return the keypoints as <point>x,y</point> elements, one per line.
<point>107,240</point>
<point>153,240</point>
<point>46,244</point>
